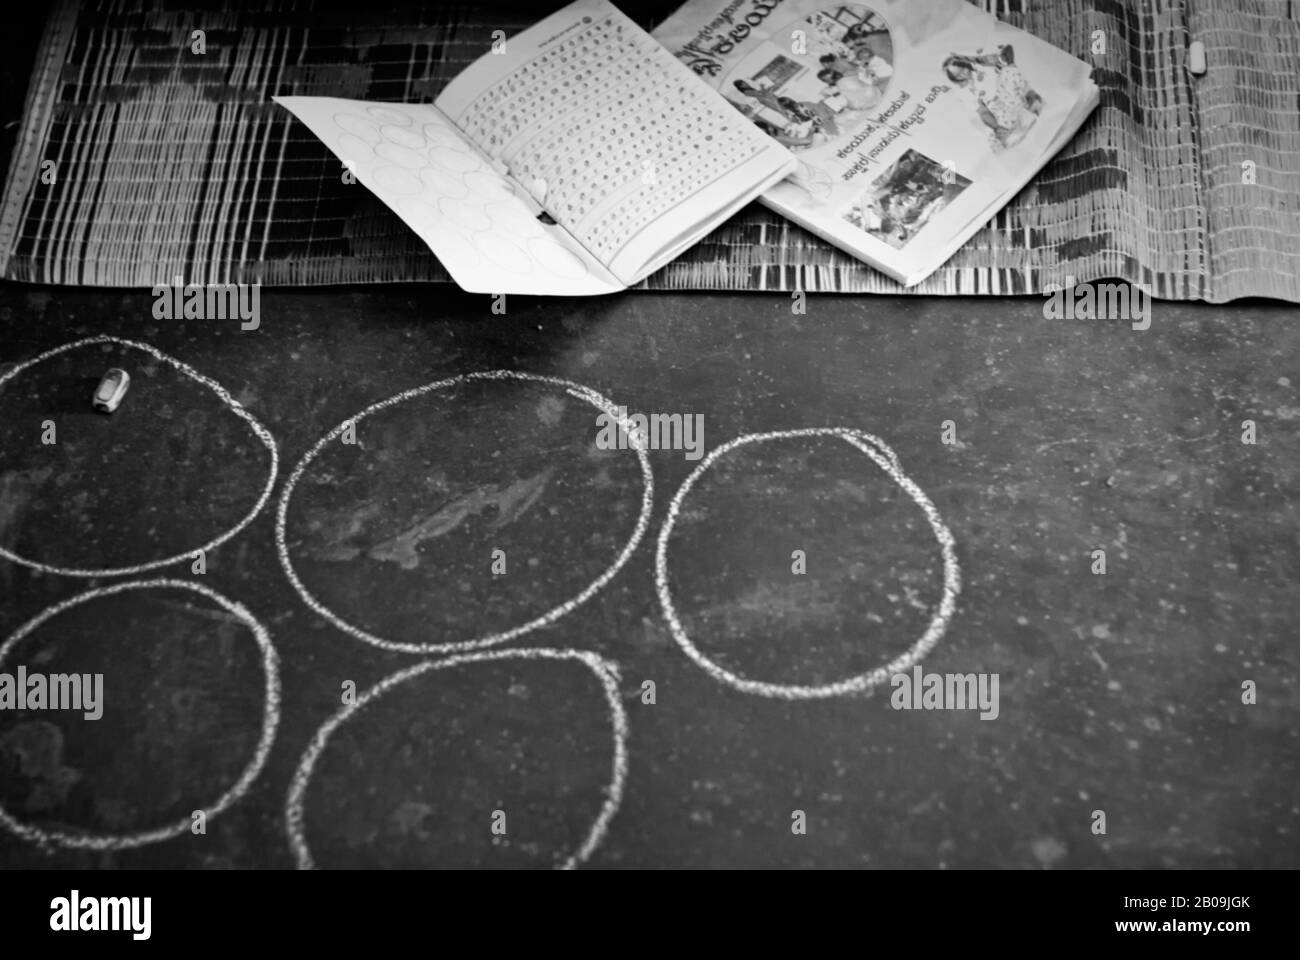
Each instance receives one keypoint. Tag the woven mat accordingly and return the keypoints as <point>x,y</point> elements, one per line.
<point>166,163</point>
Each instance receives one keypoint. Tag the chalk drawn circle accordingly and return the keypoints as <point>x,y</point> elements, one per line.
<point>606,672</point>
<point>464,214</point>
<point>439,135</point>
<point>454,161</point>
<point>396,180</point>
<point>636,442</point>
<point>403,137</point>
<point>359,127</point>
<point>503,253</point>
<point>235,406</point>
<point>354,148</point>
<point>552,257</point>
<point>402,156</point>
<point>389,115</point>
<point>270,721</point>
<point>443,183</point>
<point>885,458</point>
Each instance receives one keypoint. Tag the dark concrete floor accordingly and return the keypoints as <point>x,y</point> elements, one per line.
<point>1119,692</point>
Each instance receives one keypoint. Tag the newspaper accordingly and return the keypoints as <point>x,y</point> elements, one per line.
<point>913,121</point>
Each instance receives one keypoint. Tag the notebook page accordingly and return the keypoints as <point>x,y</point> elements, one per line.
<point>482,227</point>
<point>617,139</point>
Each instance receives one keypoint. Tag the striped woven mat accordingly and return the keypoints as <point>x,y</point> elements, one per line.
<point>140,160</point>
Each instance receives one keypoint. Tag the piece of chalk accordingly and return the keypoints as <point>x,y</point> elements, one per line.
<point>111,390</point>
<point>1196,57</point>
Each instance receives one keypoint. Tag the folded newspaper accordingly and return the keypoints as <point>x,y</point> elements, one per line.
<point>914,121</point>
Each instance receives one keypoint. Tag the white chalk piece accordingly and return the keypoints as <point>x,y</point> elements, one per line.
<point>886,460</point>
<point>112,388</point>
<point>577,390</point>
<point>1196,57</point>
<point>606,672</point>
<point>84,840</point>
<point>236,408</point>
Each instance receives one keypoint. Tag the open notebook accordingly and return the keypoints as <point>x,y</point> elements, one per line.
<point>576,157</point>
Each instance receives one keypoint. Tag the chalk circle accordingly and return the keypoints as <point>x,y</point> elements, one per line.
<point>503,253</point>
<point>403,137</point>
<point>443,184</point>
<point>636,442</point>
<point>402,156</point>
<point>389,115</point>
<point>235,406</point>
<point>554,258</point>
<point>885,458</point>
<point>453,160</point>
<point>396,180</point>
<point>440,135</point>
<point>606,672</point>
<point>357,126</point>
<point>270,720</point>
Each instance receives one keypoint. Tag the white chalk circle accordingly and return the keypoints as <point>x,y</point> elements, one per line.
<point>357,126</point>
<point>605,671</point>
<point>235,406</point>
<point>886,460</point>
<point>389,115</point>
<point>396,180</point>
<point>636,442</point>
<point>270,720</point>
